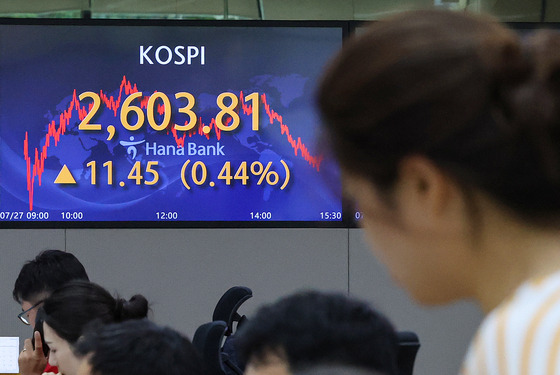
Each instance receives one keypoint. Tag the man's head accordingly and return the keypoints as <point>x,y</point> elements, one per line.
<point>39,277</point>
<point>136,347</point>
<point>313,329</point>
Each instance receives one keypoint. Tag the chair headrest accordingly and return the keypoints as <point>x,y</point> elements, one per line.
<point>227,306</point>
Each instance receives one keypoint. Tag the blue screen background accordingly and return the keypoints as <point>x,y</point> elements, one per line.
<point>41,67</point>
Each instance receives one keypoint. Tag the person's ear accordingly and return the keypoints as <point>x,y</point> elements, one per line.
<point>425,192</point>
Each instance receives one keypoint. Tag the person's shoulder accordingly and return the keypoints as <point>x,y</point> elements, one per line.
<point>528,307</point>
<point>521,332</point>
<point>532,301</point>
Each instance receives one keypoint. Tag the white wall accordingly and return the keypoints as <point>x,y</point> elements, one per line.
<point>183,272</point>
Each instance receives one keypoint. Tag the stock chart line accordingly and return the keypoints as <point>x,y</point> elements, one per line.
<point>36,167</point>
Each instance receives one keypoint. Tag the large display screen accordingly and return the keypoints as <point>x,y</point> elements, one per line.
<point>169,124</point>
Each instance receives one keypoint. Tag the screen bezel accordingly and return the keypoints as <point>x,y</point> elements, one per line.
<point>343,26</point>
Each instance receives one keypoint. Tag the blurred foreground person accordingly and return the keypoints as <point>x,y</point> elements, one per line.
<point>312,332</point>
<point>447,129</point>
<point>137,347</point>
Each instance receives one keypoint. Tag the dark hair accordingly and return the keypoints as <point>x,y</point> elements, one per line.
<point>48,271</point>
<point>314,328</point>
<point>138,347</point>
<point>461,89</point>
<point>70,308</point>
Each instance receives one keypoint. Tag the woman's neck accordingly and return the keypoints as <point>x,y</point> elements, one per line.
<point>509,253</point>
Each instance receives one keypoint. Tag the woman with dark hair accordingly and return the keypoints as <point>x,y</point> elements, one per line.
<point>70,308</point>
<point>447,129</point>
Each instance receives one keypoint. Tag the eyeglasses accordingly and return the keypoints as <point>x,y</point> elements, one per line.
<point>22,315</point>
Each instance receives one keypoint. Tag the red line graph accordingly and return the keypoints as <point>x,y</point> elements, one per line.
<point>36,163</point>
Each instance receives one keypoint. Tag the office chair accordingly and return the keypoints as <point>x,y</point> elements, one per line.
<point>207,341</point>
<point>227,306</point>
<point>214,340</point>
<point>408,348</point>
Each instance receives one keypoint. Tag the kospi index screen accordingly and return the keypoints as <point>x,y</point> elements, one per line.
<point>188,124</point>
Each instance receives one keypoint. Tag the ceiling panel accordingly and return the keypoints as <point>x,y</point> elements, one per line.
<point>372,10</point>
<point>41,6</point>
<point>308,9</point>
<point>506,10</point>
